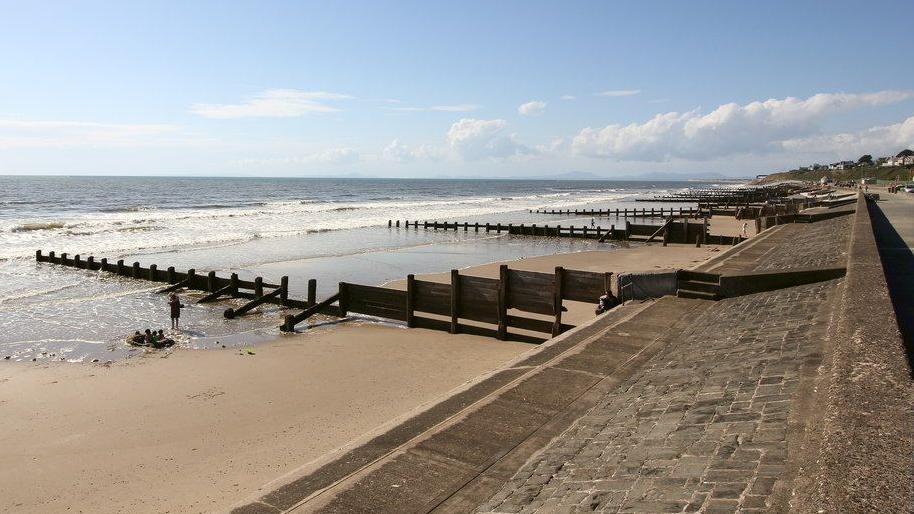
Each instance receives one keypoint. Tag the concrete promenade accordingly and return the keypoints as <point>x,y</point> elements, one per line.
<point>704,426</point>
<point>893,221</point>
<point>798,399</point>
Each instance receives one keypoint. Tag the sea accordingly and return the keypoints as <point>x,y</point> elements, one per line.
<point>329,229</point>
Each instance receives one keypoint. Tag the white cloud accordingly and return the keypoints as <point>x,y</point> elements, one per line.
<point>731,129</point>
<point>568,97</point>
<point>534,108</point>
<point>55,134</point>
<point>878,141</point>
<point>273,103</point>
<point>399,152</point>
<point>474,139</point>
<point>620,92</point>
<point>440,108</point>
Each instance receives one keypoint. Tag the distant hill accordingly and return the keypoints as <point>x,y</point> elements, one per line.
<point>654,175</point>
<point>879,172</point>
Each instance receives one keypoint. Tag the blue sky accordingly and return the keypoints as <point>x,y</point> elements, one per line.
<point>450,89</point>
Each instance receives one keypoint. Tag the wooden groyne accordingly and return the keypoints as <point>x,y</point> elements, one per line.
<point>729,196</point>
<point>257,291</point>
<point>466,297</point>
<point>682,231</point>
<point>625,212</point>
<point>479,299</point>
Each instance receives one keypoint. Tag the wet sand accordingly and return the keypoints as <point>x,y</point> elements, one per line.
<point>199,431</point>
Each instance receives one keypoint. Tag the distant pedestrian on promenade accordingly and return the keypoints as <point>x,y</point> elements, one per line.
<point>745,229</point>
<point>174,304</point>
<point>592,223</point>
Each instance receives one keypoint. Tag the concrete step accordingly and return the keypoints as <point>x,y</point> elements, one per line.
<point>700,295</point>
<point>698,276</point>
<point>698,286</point>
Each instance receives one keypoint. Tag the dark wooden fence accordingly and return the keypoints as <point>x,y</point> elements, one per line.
<point>625,213</point>
<point>479,299</point>
<point>674,231</point>
<point>257,291</point>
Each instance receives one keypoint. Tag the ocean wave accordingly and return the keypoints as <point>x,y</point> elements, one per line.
<point>32,227</point>
<point>155,230</point>
<point>202,206</point>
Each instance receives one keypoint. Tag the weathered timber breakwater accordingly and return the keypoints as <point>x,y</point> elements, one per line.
<point>465,298</point>
<point>673,230</point>
<point>747,403</point>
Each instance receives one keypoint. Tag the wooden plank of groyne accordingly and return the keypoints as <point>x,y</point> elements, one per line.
<point>231,313</point>
<point>216,294</point>
<point>376,301</point>
<point>432,297</point>
<point>187,282</point>
<point>479,299</point>
<point>455,300</point>
<point>530,291</point>
<point>584,286</point>
<point>291,321</point>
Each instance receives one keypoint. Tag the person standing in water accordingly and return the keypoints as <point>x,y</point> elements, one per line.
<point>174,303</point>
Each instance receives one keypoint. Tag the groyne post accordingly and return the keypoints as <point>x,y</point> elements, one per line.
<point>312,292</point>
<point>172,278</point>
<point>558,293</point>
<point>153,272</point>
<point>258,286</point>
<point>284,295</point>
<point>343,299</point>
<point>502,302</point>
<point>120,266</point>
<point>90,262</point>
<point>211,282</point>
<point>410,300</point>
<point>136,270</point>
<point>455,300</point>
<point>103,264</point>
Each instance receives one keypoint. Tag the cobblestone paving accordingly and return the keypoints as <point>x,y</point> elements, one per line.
<point>820,244</point>
<point>702,428</point>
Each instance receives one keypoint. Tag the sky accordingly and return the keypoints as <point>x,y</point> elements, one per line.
<point>451,89</point>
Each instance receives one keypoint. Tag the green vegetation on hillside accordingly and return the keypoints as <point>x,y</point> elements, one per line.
<point>902,173</point>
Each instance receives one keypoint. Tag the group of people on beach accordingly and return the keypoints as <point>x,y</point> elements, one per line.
<point>151,338</point>
<point>157,339</point>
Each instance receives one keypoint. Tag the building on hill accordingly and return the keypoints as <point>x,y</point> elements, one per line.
<point>899,160</point>
<point>842,165</point>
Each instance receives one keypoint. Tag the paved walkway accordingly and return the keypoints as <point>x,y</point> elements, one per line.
<point>456,454</point>
<point>705,425</point>
<point>795,245</point>
<point>893,221</point>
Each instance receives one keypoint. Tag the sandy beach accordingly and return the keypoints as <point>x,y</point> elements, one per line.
<point>199,431</point>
